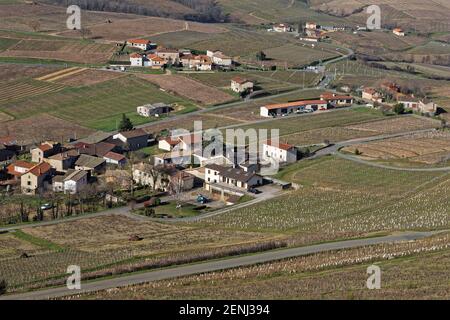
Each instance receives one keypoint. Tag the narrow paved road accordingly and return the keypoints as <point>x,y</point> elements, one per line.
<point>217,265</point>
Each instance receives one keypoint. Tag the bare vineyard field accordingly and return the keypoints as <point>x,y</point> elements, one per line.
<point>97,106</point>
<point>191,89</point>
<point>347,199</point>
<point>427,148</point>
<point>145,27</point>
<point>13,72</point>
<point>330,275</point>
<point>26,89</point>
<point>102,243</point>
<point>43,127</point>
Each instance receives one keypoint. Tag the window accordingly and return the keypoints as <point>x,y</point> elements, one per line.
<point>29,183</point>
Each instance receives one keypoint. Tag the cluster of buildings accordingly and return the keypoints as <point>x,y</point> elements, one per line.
<point>410,102</point>
<point>328,100</point>
<point>70,168</point>
<point>157,57</point>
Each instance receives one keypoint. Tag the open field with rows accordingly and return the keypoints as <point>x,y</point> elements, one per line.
<point>43,127</point>
<point>190,89</point>
<point>145,27</point>
<point>347,199</point>
<point>271,80</point>
<point>98,106</point>
<point>317,120</point>
<point>410,270</point>
<point>18,90</point>
<point>74,51</point>
<point>86,77</point>
<point>11,72</point>
<point>104,243</point>
<point>428,148</point>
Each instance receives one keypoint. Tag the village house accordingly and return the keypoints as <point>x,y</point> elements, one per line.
<point>219,58</point>
<point>180,143</point>
<point>170,158</point>
<point>44,150</point>
<point>373,95</point>
<point>36,179</point>
<point>155,62</point>
<point>162,177</point>
<point>154,110</point>
<point>170,56</point>
<point>115,158</point>
<point>399,32</point>
<point>312,26</point>
<point>18,168</point>
<point>240,85</point>
<point>90,164</point>
<point>282,27</point>
<point>283,109</point>
<point>142,44</point>
<point>72,182</point>
<point>98,149</point>
<point>133,140</point>
<point>280,153</point>
<point>230,181</point>
<point>136,60</point>
<point>199,62</point>
<point>63,161</point>
<point>336,100</point>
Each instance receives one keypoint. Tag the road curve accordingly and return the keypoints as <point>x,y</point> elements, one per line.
<point>216,265</point>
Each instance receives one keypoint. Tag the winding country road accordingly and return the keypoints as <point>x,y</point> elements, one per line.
<point>216,265</point>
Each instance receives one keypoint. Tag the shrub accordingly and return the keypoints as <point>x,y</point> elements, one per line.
<point>3,286</point>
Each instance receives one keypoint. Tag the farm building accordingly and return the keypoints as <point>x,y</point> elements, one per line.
<point>219,58</point>
<point>154,110</point>
<point>36,179</point>
<point>409,102</point>
<point>90,163</point>
<point>169,55</point>
<point>372,95</point>
<point>142,44</point>
<point>399,32</point>
<point>136,60</point>
<point>44,150</point>
<point>133,140</point>
<point>279,152</point>
<point>169,158</point>
<point>312,26</point>
<point>144,174</point>
<point>19,168</point>
<point>337,100</point>
<point>72,182</point>
<point>283,109</point>
<point>229,179</point>
<point>282,27</point>
<point>63,161</point>
<point>240,85</point>
<point>199,63</point>
<point>188,142</point>
<point>115,158</point>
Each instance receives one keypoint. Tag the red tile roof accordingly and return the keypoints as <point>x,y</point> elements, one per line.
<point>135,56</point>
<point>282,146</point>
<point>294,104</point>
<point>40,169</point>
<point>19,163</point>
<point>334,96</point>
<point>45,147</point>
<point>240,80</point>
<point>114,156</point>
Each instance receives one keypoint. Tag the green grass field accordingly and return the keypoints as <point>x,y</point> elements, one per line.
<point>6,43</point>
<point>98,106</point>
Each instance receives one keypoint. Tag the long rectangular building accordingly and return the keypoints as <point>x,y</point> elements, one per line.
<point>281,109</point>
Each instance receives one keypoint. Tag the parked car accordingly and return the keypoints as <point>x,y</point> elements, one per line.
<point>202,199</point>
<point>46,206</point>
<point>254,191</point>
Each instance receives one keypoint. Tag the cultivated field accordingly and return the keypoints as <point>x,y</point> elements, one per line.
<point>104,243</point>
<point>428,148</point>
<point>144,27</point>
<point>411,270</point>
<point>11,72</point>
<point>98,106</point>
<point>18,90</point>
<point>190,89</point>
<point>73,51</point>
<point>43,127</point>
<point>339,198</point>
<point>81,77</point>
